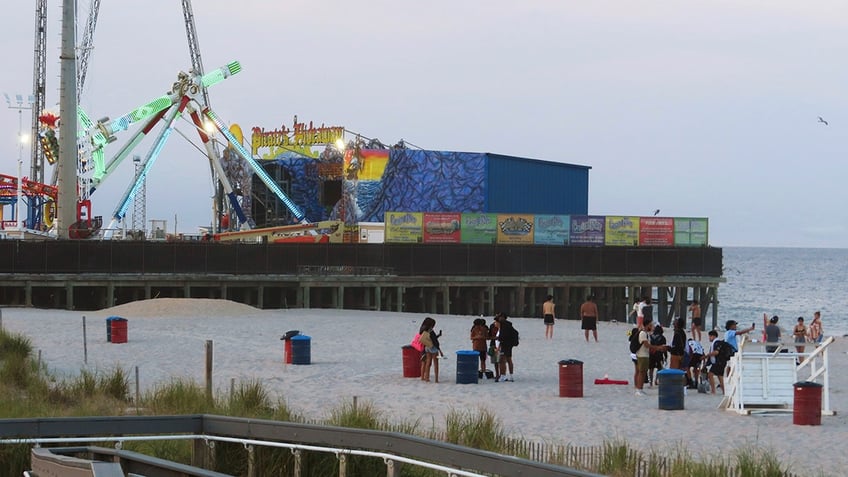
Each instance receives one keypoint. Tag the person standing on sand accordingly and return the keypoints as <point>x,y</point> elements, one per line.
<point>549,316</point>
<point>772,334</point>
<point>426,340</point>
<point>637,311</point>
<point>508,338</point>
<point>678,346</point>
<point>495,347</point>
<point>589,317</point>
<point>695,316</point>
<point>800,333</point>
<point>643,356</point>
<point>716,365</point>
<point>479,334</point>
<point>816,330</point>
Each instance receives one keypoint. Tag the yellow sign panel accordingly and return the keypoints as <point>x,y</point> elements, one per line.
<point>515,228</point>
<point>623,231</point>
<point>404,227</point>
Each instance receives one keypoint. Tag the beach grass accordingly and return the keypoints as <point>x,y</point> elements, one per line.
<point>27,390</point>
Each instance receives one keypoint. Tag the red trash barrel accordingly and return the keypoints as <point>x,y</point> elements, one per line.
<point>119,330</point>
<point>806,410</point>
<point>570,378</point>
<point>287,347</point>
<point>411,362</point>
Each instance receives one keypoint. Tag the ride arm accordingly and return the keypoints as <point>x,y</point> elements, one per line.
<point>256,167</point>
<point>124,204</point>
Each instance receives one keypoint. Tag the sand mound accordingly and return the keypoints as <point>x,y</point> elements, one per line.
<point>179,307</point>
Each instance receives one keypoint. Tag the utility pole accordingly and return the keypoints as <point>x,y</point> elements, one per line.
<point>67,163</point>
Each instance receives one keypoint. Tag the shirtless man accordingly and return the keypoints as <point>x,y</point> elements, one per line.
<point>549,316</point>
<point>695,315</point>
<point>589,317</point>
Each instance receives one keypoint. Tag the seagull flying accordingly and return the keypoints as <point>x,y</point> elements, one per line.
<point>822,121</point>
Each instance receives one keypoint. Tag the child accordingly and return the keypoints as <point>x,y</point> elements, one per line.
<point>693,368</point>
<point>431,349</point>
<point>479,334</point>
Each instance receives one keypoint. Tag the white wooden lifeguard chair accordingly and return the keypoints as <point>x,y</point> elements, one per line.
<point>764,381</point>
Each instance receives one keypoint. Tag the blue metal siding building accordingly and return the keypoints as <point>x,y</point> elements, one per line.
<point>521,185</point>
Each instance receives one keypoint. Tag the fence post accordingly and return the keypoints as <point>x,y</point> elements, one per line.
<point>209,370</point>
<point>392,469</point>
<point>298,463</point>
<point>251,461</point>
<point>342,465</point>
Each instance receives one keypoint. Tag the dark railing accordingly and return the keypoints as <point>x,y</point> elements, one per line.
<point>396,444</point>
<point>139,257</point>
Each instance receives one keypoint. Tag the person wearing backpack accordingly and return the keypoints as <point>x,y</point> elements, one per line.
<point>717,357</point>
<point>508,337</point>
<point>643,356</point>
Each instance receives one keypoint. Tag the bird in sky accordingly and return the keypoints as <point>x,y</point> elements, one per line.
<point>656,212</point>
<point>822,121</point>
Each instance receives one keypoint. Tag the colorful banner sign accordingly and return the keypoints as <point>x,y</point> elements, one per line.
<point>442,227</point>
<point>404,227</point>
<point>691,232</point>
<point>587,230</point>
<point>479,228</point>
<point>552,229</point>
<point>622,231</point>
<point>301,135</point>
<point>656,231</point>
<point>515,228</point>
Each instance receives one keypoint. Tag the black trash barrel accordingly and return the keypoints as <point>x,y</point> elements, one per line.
<point>672,385</point>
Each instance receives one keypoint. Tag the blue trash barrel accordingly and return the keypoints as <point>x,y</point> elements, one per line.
<point>467,362</point>
<point>301,349</point>
<point>672,385</point>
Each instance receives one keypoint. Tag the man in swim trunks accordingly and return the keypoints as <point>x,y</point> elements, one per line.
<point>589,317</point>
<point>695,312</point>
<point>549,316</point>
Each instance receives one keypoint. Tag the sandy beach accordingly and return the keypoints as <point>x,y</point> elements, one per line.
<point>358,353</point>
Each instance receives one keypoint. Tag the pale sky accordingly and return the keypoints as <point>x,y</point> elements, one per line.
<point>699,109</point>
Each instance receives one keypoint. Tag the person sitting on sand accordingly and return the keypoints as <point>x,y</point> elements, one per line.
<point>479,334</point>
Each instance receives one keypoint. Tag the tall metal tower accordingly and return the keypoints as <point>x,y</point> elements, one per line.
<point>197,67</point>
<point>139,213</point>
<point>39,85</point>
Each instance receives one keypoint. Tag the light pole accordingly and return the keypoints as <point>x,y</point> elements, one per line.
<point>20,105</point>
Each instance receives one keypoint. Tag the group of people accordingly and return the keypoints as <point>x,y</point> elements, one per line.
<point>801,333</point>
<point>494,343</point>
<point>688,355</point>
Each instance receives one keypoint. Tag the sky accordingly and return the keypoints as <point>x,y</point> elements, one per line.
<point>699,109</point>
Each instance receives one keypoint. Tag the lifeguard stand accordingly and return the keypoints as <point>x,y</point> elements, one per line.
<point>764,381</point>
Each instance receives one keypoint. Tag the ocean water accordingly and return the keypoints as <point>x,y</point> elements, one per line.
<point>787,282</point>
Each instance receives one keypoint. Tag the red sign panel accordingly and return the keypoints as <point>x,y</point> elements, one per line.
<point>442,227</point>
<point>656,231</point>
